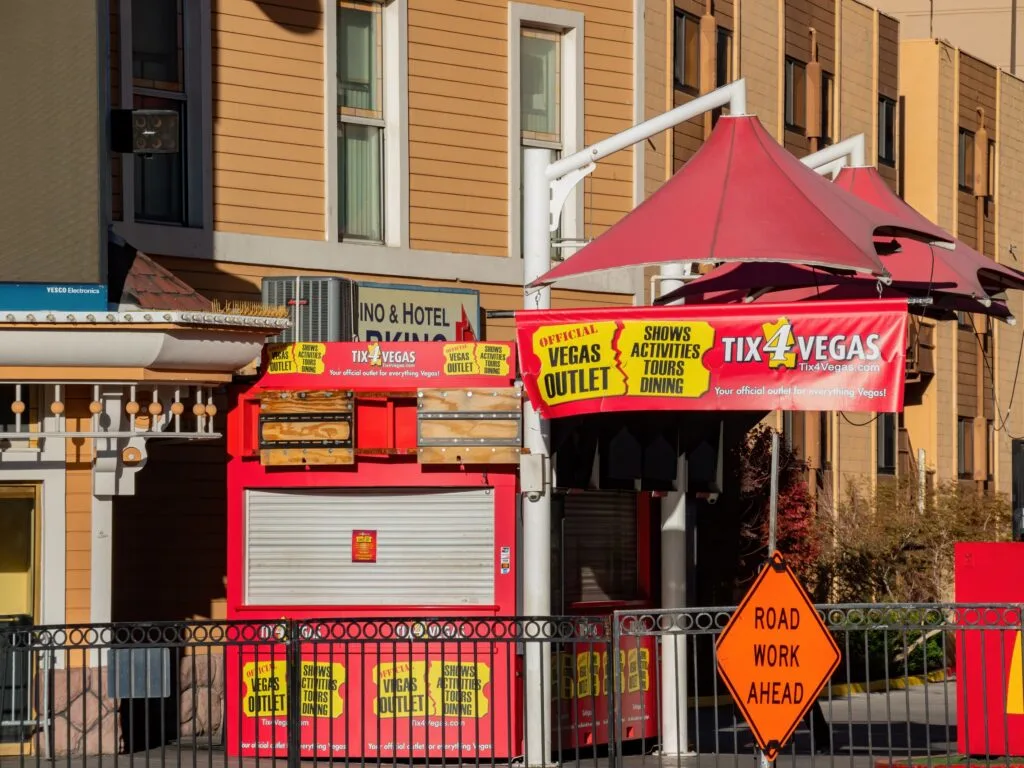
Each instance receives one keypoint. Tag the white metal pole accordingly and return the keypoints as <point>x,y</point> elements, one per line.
<point>852,148</point>
<point>773,502</point>
<point>674,725</point>
<point>674,715</point>
<point>536,555</point>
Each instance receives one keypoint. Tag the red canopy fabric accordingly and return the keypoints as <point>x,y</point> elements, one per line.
<point>742,197</point>
<point>976,274</point>
<point>718,289</point>
<point>867,183</point>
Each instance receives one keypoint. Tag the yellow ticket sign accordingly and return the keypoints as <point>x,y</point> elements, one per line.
<point>588,674</point>
<point>304,357</point>
<point>664,358</point>
<point>578,362</point>
<point>458,688</point>
<point>412,688</point>
<point>320,688</point>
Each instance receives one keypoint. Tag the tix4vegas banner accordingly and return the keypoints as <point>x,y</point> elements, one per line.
<point>820,356</point>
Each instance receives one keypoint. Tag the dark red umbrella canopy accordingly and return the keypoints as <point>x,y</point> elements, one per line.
<point>975,274</point>
<point>744,198</point>
<point>794,286</point>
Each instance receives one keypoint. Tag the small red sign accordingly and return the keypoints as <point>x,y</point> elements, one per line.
<point>364,546</point>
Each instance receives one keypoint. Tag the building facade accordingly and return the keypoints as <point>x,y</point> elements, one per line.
<point>382,142</point>
<point>965,176</point>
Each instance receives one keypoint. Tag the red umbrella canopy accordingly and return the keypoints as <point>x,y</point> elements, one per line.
<point>974,273</point>
<point>792,282</point>
<point>742,197</point>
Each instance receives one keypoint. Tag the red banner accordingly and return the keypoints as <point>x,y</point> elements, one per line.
<point>388,364</point>
<point>820,356</point>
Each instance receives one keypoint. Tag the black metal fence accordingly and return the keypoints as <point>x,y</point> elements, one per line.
<point>920,684</point>
<point>632,688</point>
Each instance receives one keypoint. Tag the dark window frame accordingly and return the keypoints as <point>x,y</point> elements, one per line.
<point>965,447</point>
<point>679,52</point>
<point>794,108</point>
<point>723,56</point>
<point>828,84</point>
<point>886,131</point>
<point>887,446</point>
<point>965,160</point>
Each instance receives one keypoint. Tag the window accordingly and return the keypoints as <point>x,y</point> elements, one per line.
<point>990,433</point>
<point>991,169</point>
<point>965,447</point>
<point>540,97</point>
<point>540,86</point>
<point>827,113</point>
<point>159,82</point>
<point>723,57</point>
<point>796,94</point>
<point>965,161</point>
<point>360,122</point>
<point>886,130</point>
<point>687,52</point>
<point>885,448</point>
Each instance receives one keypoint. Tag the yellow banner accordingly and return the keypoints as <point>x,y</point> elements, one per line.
<point>320,689</point>
<point>304,357</point>
<point>588,674</point>
<point>663,358</point>
<point>475,359</point>
<point>577,362</point>
<point>451,689</point>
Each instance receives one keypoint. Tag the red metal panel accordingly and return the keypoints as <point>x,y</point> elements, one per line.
<point>989,716</point>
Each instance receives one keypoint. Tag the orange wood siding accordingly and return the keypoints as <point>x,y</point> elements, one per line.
<point>268,119</point>
<point>458,120</point>
<point>798,19</point>
<point>176,516</point>
<point>658,32</point>
<point>888,83</point>
<point>856,76</point>
<point>78,509</point>
<point>977,89</point>
<point>688,137</point>
<point>967,373</point>
<point>242,281</point>
<point>116,182</point>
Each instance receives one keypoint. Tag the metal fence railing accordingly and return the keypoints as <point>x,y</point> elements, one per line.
<point>353,691</point>
<point>918,684</point>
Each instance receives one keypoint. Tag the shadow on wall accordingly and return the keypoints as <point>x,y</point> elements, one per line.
<point>299,16</point>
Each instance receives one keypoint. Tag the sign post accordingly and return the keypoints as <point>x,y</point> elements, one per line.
<point>775,655</point>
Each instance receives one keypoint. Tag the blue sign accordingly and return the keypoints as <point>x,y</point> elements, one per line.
<point>62,297</point>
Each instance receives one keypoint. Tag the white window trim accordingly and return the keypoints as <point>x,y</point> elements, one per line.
<point>395,78</point>
<point>198,133</point>
<point>46,467</point>
<point>570,24</point>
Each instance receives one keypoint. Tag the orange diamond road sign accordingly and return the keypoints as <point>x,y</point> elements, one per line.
<point>775,655</point>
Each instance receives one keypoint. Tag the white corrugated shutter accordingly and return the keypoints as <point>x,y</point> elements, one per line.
<point>434,547</point>
<point>600,546</point>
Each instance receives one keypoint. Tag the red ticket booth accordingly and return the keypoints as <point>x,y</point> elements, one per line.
<point>376,481</point>
<point>375,487</point>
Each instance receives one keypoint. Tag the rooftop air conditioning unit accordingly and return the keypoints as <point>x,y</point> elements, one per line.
<point>320,308</point>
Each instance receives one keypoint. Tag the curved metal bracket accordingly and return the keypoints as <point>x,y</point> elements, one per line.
<point>560,190</point>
